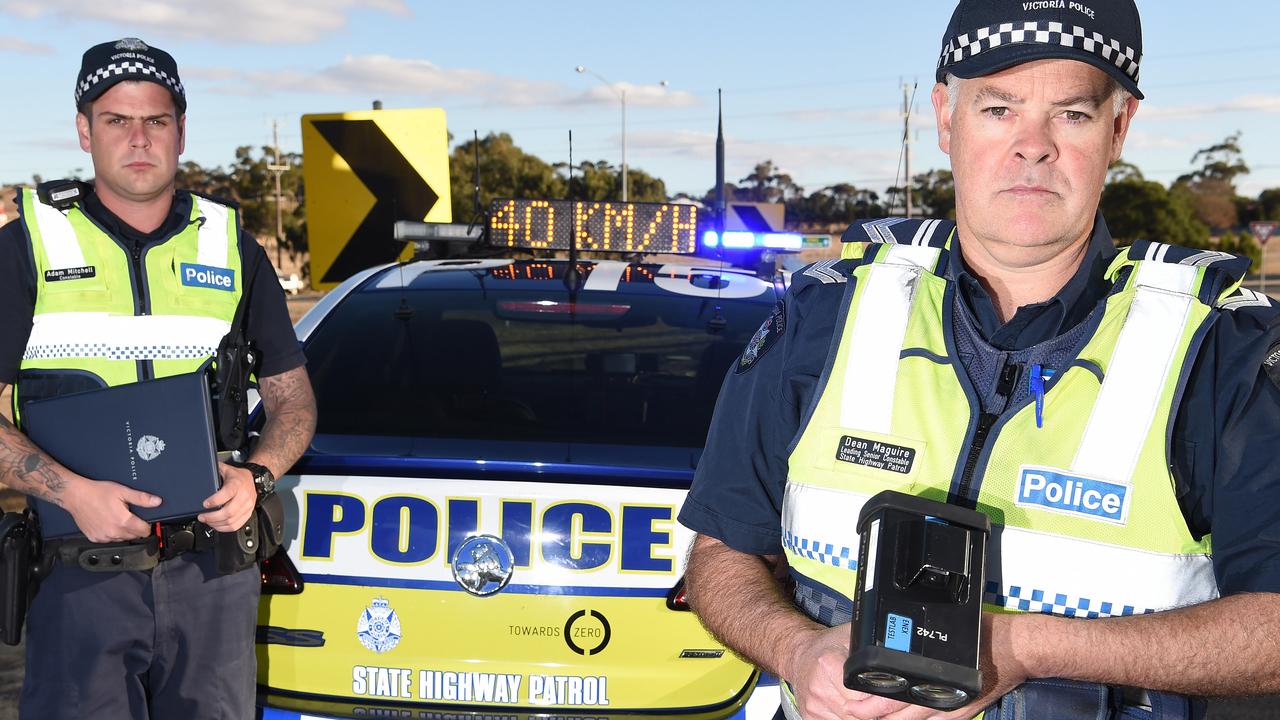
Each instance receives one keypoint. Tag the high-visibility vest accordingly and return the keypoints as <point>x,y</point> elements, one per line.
<point>107,314</point>
<point>1084,505</point>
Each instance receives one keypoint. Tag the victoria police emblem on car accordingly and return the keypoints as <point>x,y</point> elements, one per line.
<point>483,565</point>
<point>150,447</point>
<point>1062,492</point>
<point>378,627</point>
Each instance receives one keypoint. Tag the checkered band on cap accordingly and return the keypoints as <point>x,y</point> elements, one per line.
<point>976,42</point>
<point>132,68</point>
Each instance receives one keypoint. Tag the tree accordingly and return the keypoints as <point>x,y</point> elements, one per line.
<point>601,181</point>
<point>1145,210</point>
<point>1244,244</point>
<point>935,192</point>
<point>1211,188</point>
<point>505,171</point>
<point>767,183</point>
<point>838,204</point>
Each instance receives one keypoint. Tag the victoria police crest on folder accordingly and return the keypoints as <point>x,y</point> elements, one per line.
<point>156,436</point>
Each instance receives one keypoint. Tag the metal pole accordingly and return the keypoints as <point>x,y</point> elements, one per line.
<point>623,94</point>
<point>906,142</point>
<point>1264,268</point>
<point>275,139</point>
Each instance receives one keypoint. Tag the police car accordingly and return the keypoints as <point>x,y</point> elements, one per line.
<point>485,524</point>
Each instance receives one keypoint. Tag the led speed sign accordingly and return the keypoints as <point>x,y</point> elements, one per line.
<point>600,226</point>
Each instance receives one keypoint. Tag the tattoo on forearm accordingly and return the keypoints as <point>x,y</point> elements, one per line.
<point>291,419</point>
<point>24,467</point>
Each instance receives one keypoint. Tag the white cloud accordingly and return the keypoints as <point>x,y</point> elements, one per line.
<point>655,95</point>
<point>369,75</point>
<point>386,76</point>
<point>11,44</point>
<point>230,21</point>
<point>1244,103</point>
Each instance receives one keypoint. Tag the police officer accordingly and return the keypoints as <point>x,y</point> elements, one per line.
<point>92,293</point>
<point>1109,410</point>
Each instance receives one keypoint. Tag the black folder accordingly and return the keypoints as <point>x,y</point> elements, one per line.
<point>154,435</point>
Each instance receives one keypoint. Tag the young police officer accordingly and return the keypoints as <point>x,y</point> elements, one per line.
<point>1108,410</point>
<point>95,294</point>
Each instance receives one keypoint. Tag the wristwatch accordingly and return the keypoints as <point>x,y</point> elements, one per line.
<point>263,480</point>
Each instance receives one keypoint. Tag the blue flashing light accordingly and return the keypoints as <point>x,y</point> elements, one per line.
<point>782,241</point>
<point>742,240</point>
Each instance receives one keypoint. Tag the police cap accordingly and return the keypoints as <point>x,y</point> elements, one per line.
<point>111,62</point>
<point>986,36</point>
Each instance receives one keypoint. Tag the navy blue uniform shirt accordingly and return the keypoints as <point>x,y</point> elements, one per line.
<point>1225,443</point>
<point>267,317</point>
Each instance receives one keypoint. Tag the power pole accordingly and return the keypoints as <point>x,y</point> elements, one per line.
<point>906,141</point>
<point>277,168</point>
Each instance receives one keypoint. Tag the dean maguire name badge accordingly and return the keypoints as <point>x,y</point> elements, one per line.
<point>1059,491</point>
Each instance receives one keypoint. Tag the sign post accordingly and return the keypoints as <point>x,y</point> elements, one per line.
<point>1262,230</point>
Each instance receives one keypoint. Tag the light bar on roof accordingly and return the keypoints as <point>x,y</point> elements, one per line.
<point>739,240</point>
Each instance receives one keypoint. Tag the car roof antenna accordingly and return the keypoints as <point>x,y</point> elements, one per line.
<point>404,312</point>
<point>478,214</point>
<point>572,276</point>
<point>717,323</point>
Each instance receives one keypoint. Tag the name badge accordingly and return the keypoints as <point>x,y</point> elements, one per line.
<point>75,273</point>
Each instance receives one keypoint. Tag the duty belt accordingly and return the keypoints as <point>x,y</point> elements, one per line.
<point>167,541</point>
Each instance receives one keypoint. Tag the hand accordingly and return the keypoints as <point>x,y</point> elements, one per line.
<point>234,501</point>
<point>1002,671</point>
<point>101,510</point>
<point>818,681</point>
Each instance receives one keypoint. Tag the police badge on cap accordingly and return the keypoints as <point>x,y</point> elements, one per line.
<point>987,36</point>
<point>106,64</point>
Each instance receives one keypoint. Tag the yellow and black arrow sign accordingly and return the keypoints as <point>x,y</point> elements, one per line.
<point>364,171</point>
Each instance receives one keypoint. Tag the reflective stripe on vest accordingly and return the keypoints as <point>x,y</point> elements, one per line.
<point>890,289</point>
<point>87,321</point>
<point>892,413</point>
<point>60,243</point>
<point>123,337</point>
<point>1126,405</point>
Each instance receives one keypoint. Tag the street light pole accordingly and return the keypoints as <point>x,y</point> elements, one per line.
<point>622,96</point>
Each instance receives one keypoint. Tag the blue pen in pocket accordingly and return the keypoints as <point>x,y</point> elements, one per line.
<point>1039,375</point>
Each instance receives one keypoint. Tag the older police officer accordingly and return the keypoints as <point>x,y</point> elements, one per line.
<point>177,639</point>
<point>1109,411</point>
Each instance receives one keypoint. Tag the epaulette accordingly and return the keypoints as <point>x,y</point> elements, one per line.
<point>901,231</point>
<point>1222,271</point>
<point>824,272</point>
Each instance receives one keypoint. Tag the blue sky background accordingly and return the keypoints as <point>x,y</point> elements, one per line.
<point>814,86</point>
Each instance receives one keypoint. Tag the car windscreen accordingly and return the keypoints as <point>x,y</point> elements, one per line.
<point>600,367</point>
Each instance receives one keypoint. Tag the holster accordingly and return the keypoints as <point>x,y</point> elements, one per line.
<point>258,540</point>
<point>20,571</point>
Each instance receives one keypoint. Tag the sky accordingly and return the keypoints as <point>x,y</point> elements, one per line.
<point>816,87</point>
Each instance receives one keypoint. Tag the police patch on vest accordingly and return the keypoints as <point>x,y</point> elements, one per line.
<point>1058,491</point>
<point>768,334</point>
<point>76,273</point>
<point>204,276</point>
<point>876,454</point>
<point>1271,364</point>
